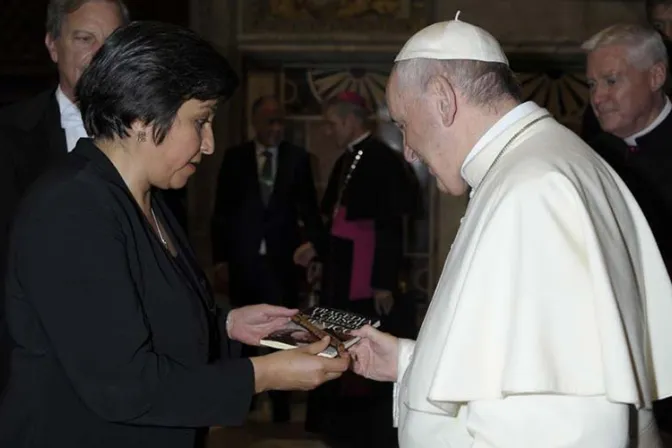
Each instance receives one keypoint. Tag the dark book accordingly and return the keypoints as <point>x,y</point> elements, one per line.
<point>311,324</point>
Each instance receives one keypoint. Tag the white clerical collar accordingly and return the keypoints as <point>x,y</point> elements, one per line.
<point>632,140</point>
<point>70,115</point>
<point>500,126</point>
<point>516,120</point>
<point>358,140</point>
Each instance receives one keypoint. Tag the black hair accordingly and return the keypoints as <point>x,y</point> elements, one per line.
<point>145,71</point>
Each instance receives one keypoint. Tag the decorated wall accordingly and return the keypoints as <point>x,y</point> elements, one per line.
<point>305,51</point>
<point>304,86</point>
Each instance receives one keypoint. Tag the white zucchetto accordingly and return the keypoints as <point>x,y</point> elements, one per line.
<point>453,39</point>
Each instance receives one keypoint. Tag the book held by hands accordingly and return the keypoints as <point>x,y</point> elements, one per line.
<point>311,324</point>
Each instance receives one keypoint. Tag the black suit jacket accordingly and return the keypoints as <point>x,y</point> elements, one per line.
<point>117,342</point>
<point>31,139</point>
<point>241,221</point>
<point>32,132</point>
<point>648,174</point>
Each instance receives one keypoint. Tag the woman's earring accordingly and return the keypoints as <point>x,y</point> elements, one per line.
<point>142,137</point>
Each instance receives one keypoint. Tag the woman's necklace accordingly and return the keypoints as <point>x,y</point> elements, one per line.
<point>158,228</point>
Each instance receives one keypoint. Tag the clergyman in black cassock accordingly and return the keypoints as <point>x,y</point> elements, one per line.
<point>635,117</point>
<point>371,190</point>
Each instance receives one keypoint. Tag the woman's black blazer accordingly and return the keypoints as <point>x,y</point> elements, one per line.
<point>117,342</point>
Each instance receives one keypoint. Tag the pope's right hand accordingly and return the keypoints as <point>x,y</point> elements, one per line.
<point>375,355</point>
<point>297,369</point>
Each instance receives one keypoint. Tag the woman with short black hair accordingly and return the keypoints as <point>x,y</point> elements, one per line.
<point>119,342</point>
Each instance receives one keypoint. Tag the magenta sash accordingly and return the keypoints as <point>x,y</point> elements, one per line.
<point>363,236</point>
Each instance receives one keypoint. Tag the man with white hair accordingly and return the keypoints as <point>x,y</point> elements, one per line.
<point>627,66</point>
<point>626,70</point>
<point>659,15</point>
<point>549,325</point>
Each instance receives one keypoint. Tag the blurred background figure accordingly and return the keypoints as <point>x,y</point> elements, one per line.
<point>265,186</point>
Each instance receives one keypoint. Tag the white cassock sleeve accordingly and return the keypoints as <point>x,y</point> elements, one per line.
<point>406,347</point>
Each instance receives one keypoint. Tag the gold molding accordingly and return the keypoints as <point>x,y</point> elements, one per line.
<point>328,20</point>
<point>548,48</point>
<point>331,48</point>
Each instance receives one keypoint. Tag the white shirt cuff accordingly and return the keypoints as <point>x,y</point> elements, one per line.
<point>406,348</point>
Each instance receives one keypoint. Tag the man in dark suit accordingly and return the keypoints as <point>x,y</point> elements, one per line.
<point>265,187</point>
<point>51,119</point>
<point>40,131</point>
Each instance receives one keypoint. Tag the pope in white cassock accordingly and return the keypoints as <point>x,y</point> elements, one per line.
<point>550,323</point>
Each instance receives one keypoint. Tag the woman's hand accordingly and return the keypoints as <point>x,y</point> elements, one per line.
<point>375,355</point>
<point>297,369</point>
<point>251,323</point>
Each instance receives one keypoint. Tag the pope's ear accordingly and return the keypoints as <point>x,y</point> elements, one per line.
<point>442,93</point>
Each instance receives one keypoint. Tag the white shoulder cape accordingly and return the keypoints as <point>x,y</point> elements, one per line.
<point>554,285</point>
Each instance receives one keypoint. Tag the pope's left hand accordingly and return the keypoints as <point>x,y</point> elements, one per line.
<point>250,323</point>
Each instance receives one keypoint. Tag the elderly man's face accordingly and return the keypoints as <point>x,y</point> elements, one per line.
<point>623,96</point>
<point>424,136</point>
<point>82,33</point>
<point>661,18</point>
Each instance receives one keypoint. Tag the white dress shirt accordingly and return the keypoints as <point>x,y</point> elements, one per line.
<point>71,120</point>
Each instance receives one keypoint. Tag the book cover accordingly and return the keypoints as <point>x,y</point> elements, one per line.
<point>337,323</point>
